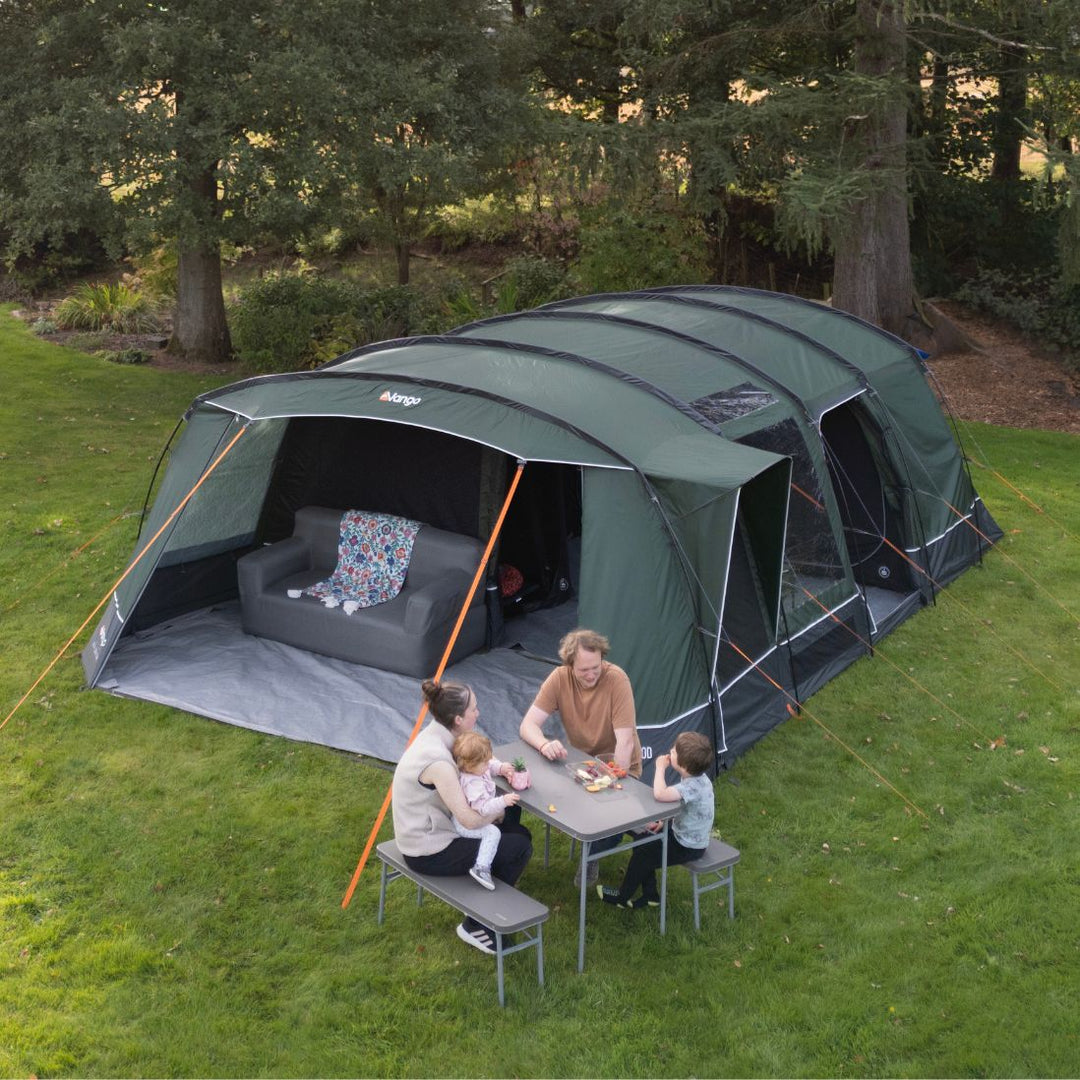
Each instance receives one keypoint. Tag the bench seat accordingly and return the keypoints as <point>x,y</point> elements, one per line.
<point>716,868</point>
<point>505,910</point>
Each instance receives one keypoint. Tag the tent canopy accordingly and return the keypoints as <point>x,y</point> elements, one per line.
<point>713,474</point>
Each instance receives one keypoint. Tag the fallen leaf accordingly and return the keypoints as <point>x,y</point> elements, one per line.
<point>997,743</point>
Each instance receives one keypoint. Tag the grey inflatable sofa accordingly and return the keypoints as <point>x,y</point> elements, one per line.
<point>407,634</point>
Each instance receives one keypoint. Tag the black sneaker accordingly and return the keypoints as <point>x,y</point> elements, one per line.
<point>644,902</point>
<point>478,939</point>
<point>611,896</point>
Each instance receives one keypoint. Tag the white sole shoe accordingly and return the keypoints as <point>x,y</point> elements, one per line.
<point>478,939</point>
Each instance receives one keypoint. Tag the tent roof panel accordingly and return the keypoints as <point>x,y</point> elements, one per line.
<point>616,411</point>
<point>502,425</point>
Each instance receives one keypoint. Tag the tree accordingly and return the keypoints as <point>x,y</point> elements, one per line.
<point>207,123</point>
<point>437,106</point>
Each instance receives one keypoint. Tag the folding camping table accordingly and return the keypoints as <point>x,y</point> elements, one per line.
<point>560,801</point>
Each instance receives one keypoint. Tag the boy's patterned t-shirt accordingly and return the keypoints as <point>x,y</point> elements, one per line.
<point>694,822</point>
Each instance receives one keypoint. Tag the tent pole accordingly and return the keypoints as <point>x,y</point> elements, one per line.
<point>439,671</point>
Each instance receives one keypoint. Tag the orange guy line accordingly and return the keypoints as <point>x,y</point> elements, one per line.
<point>832,735</point>
<point>379,818</point>
<point>134,562</point>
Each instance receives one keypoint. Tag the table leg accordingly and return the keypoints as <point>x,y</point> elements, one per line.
<point>585,846</point>
<point>663,881</point>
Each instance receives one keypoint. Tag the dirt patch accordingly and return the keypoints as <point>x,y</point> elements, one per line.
<point>1005,378</point>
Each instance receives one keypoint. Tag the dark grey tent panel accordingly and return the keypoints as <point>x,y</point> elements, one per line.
<point>742,490</point>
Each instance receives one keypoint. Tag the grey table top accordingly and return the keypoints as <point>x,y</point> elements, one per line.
<point>581,814</point>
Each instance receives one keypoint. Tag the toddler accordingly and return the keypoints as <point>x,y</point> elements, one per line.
<point>472,753</point>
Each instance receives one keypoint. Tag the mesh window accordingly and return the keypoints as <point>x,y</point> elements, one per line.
<point>734,402</point>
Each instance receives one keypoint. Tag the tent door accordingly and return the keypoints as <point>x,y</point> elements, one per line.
<point>868,498</point>
<point>540,546</point>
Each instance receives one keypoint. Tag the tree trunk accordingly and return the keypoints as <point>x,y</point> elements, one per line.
<point>401,252</point>
<point>872,277</point>
<point>1010,115</point>
<point>200,331</point>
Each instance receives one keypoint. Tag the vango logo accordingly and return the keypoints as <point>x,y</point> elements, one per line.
<point>394,398</point>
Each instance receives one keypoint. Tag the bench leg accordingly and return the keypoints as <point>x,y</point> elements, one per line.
<point>718,880</point>
<point>540,953</point>
<point>499,966</point>
<point>382,893</point>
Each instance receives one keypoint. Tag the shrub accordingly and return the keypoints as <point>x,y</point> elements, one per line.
<point>158,271</point>
<point>116,307</point>
<point>489,220</point>
<point>626,247</point>
<point>287,322</point>
<point>533,280</point>
<point>1038,304</point>
<point>124,356</point>
<point>42,325</point>
<point>963,225</point>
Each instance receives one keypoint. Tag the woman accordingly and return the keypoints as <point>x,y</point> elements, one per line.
<point>427,796</point>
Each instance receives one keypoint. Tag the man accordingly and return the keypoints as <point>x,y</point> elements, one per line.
<point>595,702</point>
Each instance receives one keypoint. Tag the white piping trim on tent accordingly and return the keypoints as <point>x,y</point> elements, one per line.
<point>836,405</point>
<point>955,525</point>
<point>783,553</point>
<point>723,748</point>
<point>423,427</point>
<point>723,598</point>
<point>674,719</point>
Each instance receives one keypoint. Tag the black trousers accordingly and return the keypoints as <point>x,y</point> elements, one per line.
<point>515,851</point>
<point>646,860</point>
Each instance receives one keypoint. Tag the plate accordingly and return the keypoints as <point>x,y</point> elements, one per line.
<point>594,775</point>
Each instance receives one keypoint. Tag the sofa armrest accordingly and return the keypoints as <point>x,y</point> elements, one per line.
<point>435,603</point>
<point>259,569</point>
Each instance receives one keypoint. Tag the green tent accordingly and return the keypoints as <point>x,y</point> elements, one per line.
<point>742,490</point>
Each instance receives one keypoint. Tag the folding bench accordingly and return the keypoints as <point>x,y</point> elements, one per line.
<point>505,910</point>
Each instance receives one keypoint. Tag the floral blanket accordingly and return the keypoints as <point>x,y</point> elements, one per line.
<point>373,557</point>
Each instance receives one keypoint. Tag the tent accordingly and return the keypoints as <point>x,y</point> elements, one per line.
<point>743,490</point>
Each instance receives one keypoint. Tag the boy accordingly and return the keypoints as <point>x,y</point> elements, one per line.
<point>690,829</point>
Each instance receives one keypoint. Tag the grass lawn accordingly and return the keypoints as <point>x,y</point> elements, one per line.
<point>170,887</point>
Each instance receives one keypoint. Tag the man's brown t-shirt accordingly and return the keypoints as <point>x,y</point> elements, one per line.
<point>591,716</point>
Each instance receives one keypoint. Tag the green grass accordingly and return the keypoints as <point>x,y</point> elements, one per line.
<point>170,887</point>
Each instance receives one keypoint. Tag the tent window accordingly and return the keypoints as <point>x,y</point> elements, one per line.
<point>734,402</point>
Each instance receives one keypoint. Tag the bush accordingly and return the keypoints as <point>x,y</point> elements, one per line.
<point>288,322</point>
<point>1038,304</point>
<point>158,271</point>
<point>124,356</point>
<point>628,247</point>
<point>963,225</point>
<point>532,280</point>
<point>489,220</point>
<point>117,307</point>
<point>525,282</point>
